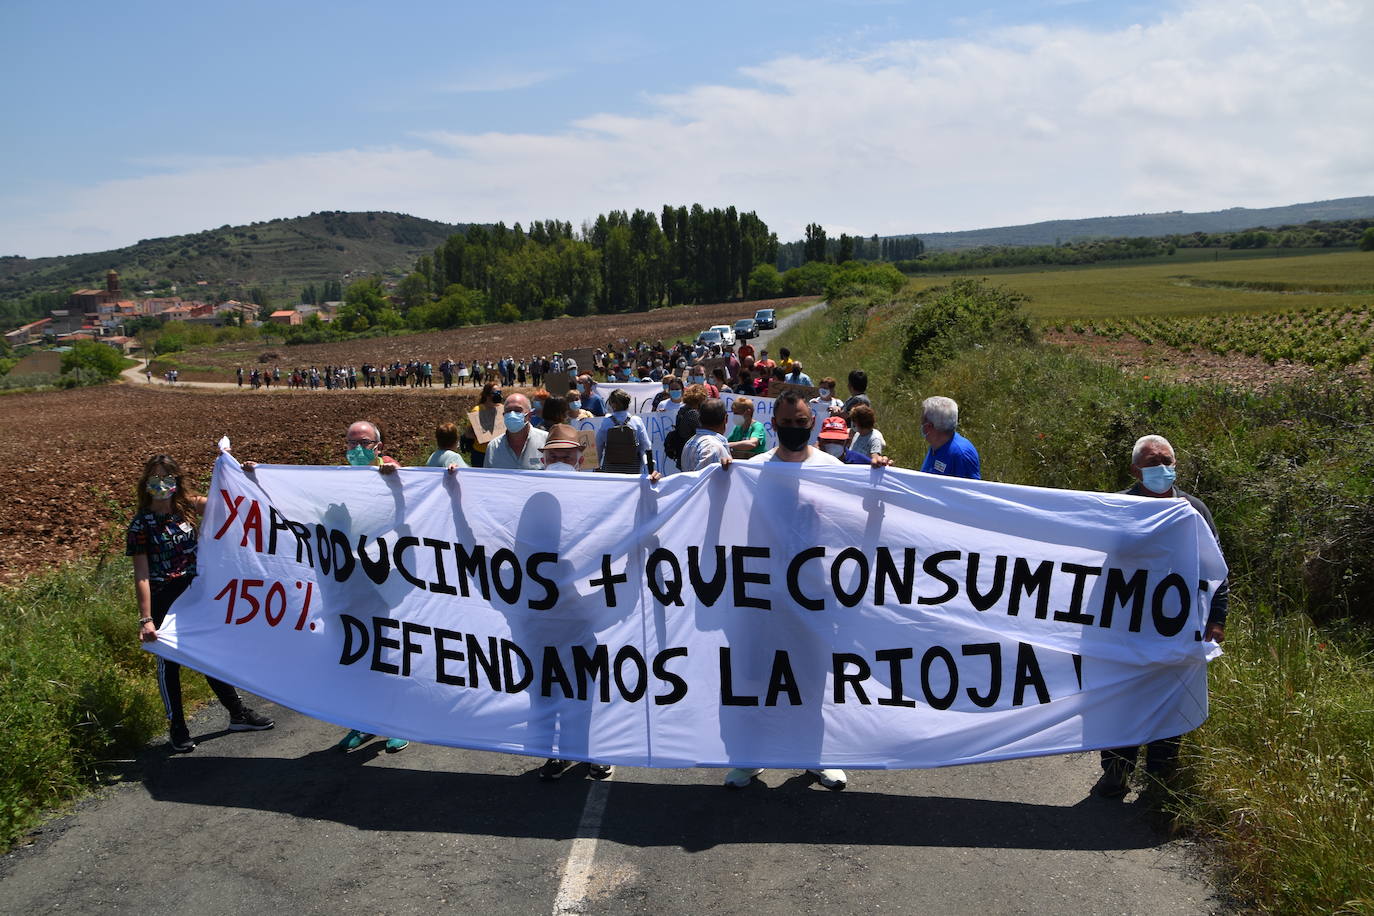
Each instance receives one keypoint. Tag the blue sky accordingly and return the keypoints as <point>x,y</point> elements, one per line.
<point>142,119</point>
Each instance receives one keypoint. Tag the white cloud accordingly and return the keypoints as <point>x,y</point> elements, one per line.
<point>499,81</point>
<point>1217,104</point>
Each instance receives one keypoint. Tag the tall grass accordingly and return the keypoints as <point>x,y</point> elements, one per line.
<point>1281,778</point>
<point>76,691</point>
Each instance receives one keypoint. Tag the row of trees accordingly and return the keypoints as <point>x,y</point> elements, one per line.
<point>621,262</point>
<point>817,246</point>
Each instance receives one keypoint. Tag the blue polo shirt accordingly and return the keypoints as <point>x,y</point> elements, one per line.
<point>956,458</point>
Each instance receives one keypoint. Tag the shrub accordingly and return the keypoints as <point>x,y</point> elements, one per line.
<point>95,357</point>
<point>964,314</point>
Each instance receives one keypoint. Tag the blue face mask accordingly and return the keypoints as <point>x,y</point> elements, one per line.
<point>358,456</point>
<point>535,405</point>
<point>515,421</point>
<point>574,406</point>
<point>1158,478</point>
<point>675,394</point>
<point>160,489</point>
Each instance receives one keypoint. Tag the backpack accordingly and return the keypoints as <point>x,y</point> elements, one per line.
<point>621,454</point>
<point>684,428</point>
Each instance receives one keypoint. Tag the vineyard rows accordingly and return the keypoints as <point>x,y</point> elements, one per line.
<point>1331,337</point>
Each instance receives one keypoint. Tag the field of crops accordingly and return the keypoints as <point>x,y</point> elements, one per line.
<point>1334,337</point>
<point>1250,285</point>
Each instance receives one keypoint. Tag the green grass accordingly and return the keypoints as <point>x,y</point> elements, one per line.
<point>77,694</point>
<point>1180,289</point>
<point>1280,781</point>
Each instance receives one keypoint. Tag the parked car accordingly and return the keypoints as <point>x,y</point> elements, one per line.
<point>709,338</point>
<point>746,328</point>
<point>727,334</point>
<point>765,319</point>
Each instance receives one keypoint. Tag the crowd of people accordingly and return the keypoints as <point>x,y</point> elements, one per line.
<point>536,434</point>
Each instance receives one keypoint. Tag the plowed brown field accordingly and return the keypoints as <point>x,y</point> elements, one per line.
<point>491,341</point>
<point>70,460</point>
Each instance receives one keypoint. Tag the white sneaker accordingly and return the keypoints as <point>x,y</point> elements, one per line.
<point>834,780</point>
<point>740,777</point>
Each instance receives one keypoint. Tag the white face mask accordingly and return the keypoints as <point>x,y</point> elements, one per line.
<point>736,419</point>
<point>834,448</point>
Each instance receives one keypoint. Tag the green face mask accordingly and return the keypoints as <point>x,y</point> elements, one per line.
<point>361,457</point>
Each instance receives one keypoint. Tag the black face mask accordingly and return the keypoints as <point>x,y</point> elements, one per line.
<point>793,438</point>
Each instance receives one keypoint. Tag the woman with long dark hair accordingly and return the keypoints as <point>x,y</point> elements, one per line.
<point>162,541</point>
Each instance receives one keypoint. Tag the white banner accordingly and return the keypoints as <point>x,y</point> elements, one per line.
<point>760,615</point>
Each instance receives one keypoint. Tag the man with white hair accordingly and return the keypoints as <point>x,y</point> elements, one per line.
<point>1154,467</point>
<point>949,453</point>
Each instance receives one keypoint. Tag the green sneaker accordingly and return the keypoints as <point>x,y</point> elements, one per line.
<point>352,740</point>
<point>396,744</point>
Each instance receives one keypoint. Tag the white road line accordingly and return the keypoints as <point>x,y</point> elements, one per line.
<point>577,871</point>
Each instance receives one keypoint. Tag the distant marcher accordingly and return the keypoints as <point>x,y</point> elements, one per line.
<point>825,401</point>
<point>833,439</point>
<point>949,453</point>
<point>868,441</point>
<point>590,401</point>
<point>747,436</point>
<point>446,443</point>
<point>709,445</point>
<point>858,392</point>
<point>162,541</point>
<point>624,445</point>
<point>555,411</point>
<point>537,400</point>
<point>489,399</point>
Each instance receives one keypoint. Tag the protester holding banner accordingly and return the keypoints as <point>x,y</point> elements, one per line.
<point>562,454</point>
<point>518,447</point>
<point>949,453</point>
<point>747,436</point>
<point>1154,466</point>
<point>162,541</point>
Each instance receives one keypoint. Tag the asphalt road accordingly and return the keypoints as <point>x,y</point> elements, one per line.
<point>278,821</point>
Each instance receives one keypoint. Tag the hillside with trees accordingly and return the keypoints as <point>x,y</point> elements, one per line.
<point>277,258</point>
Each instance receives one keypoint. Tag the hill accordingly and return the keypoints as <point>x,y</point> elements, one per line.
<point>1053,232</point>
<point>278,256</point>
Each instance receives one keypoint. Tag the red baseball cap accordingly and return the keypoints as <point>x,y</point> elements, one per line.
<point>834,428</point>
